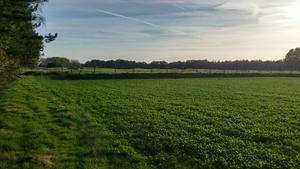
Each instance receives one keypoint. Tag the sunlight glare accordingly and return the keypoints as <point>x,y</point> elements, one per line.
<point>293,12</point>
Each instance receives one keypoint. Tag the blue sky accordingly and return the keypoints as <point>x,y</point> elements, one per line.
<point>172,30</point>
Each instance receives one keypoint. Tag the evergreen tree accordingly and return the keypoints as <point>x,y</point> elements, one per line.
<point>20,44</point>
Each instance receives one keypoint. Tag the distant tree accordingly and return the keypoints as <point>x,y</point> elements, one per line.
<point>159,65</point>
<point>75,64</point>
<point>55,62</point>
<point>95,64</point>
<point>293,55</point>
<point>177,65</point>
<point>195,64</point>
<point>291,62</point>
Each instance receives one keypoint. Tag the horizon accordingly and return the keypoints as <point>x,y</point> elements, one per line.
<point>148,62</point>
<point>171,31</point>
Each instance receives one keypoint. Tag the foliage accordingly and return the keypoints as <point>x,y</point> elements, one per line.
<point>291,62</point>
<point>55,62</point>
<point>75,64</point>
<point>186,123</point>
<point>198,64</point>
<point>293,55</point>
<point>20,44</point>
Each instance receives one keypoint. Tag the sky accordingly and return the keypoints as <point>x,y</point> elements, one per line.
<point>172,30</point>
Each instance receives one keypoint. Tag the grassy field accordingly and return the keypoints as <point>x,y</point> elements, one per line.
<point>166,123</point>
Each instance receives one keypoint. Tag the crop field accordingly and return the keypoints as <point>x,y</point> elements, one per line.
<point>148,123</point>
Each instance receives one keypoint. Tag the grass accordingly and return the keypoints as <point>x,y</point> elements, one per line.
<point>166,123</point>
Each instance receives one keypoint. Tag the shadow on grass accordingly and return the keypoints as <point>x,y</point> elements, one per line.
<point>101,76</point>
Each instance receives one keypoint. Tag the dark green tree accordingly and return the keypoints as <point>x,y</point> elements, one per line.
<point>75,64</point>
<point>20,44</point>
<point>55,62</point>
<point>293,55</point>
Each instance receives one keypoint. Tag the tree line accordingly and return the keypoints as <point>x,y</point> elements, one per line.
<point>20,44</point>
<point>291,62</point>
<point>55,62</point>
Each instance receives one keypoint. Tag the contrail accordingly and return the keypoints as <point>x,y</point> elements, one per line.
<point>139,21</point>
<point>128,18</point>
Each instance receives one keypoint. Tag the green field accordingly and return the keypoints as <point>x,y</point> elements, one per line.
<point>166,123</point>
